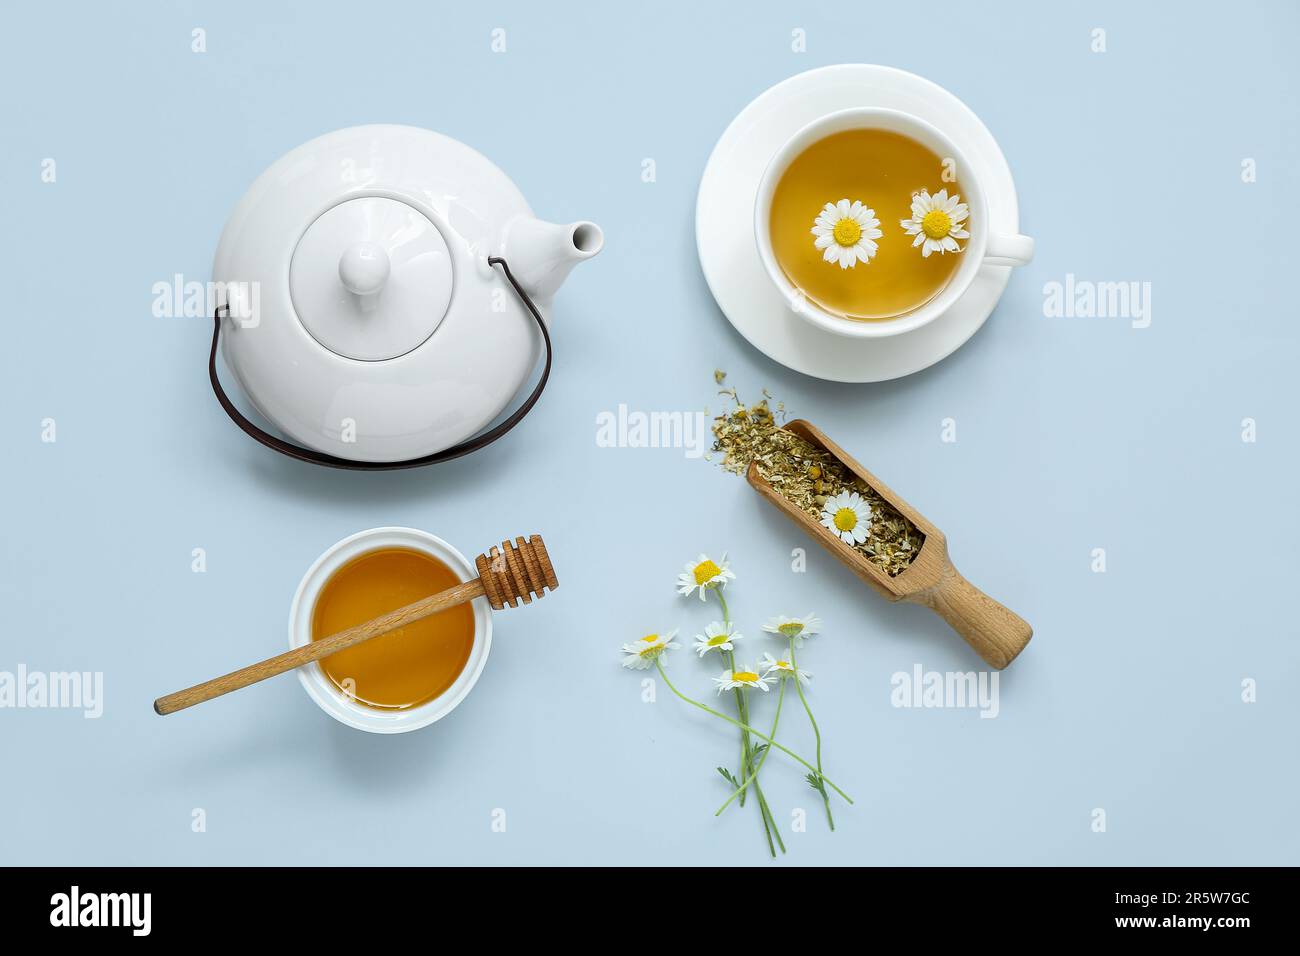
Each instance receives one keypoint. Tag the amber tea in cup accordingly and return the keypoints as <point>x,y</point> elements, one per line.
<point>884,171</point>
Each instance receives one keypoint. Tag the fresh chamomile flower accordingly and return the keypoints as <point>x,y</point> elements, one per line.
<point>937,222</point>
<point>796,628</point>
<point>704,573</point>
<point>782,668</point>
<point>717,637</point>
<point>741,677</point>
<point>848,516</point>
<point>846,233</point>
<point>643,653</point>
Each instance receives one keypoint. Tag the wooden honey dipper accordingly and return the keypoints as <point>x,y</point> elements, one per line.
<point>516,572</point>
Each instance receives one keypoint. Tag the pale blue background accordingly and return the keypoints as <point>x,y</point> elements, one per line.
<point>1073,434</point>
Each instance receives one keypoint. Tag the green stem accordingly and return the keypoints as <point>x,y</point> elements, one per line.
<point>742,711</point>
<point>761,736</point>
<point>794,664</point>
<point>769,822</point>
<point>746,746</point>
<point>753,777</point>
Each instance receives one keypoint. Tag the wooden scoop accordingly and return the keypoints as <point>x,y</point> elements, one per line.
<point>506,575</point>
<point>996,634</point>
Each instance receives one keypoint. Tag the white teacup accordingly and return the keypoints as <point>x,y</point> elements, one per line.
<point>980,249</point>
<point>334,701</point>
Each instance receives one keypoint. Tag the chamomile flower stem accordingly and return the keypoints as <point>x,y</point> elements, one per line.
<point>761,736</point>
<point>746,747</point>
<point>767,835</point>
<point>742,710</point>
<point>817,734</point>
<point>753,777</point>
<point>769,822</point>
<point>746,754</point>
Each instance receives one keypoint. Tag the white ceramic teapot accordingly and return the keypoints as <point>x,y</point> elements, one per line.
<point>383,293</point>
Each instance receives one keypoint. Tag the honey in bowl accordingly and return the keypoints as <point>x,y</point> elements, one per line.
<point>883,170</point>
<point>406,667</point>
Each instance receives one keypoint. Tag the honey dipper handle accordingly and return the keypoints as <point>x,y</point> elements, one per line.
<point>995,633</point>
<point>315,650</point>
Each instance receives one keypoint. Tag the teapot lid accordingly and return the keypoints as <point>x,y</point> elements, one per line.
<point>371,278</point>
<point>365,321</point>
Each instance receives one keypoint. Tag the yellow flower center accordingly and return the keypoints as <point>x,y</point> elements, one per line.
<point>794,628</point>
<point>650,637</point>
<point>719,639</point>
<point>745,677</point>
<point>936,224</point>
<point>847,232</point>
<point>846,519</point>
<point>706,571</point>
<point>783,665</point>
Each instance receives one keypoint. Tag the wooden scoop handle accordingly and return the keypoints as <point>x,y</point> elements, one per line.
<point>315,650</point>
<point>994,632</point>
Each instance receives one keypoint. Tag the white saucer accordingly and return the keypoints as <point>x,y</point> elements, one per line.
<point>724,213</point>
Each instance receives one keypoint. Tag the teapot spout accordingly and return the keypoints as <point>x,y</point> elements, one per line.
<point>540,254</point>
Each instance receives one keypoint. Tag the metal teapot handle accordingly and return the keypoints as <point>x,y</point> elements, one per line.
<point>447,454</point>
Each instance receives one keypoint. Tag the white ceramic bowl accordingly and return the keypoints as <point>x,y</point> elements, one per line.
<point>980,248</point>
<point>330,698</point>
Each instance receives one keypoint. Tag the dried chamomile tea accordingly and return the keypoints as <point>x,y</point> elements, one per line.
<point>810,478</point>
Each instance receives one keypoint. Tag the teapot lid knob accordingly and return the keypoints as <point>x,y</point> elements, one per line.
<point>364,267</point>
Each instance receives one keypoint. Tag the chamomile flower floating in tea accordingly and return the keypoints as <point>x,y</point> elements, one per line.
<point>846,233</point>
<point>718,636</point>
<point>702,574</point>
<point>740,678</point>
<point>794,628</point>
<point>782,668</point>
<point>937,222</point>
<point>646,652</point>
<point>847,515</point>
